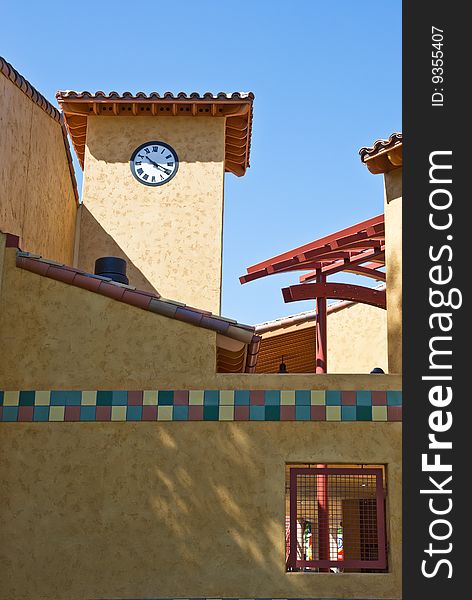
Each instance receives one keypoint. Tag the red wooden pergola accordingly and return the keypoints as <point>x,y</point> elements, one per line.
<point>358,249</point>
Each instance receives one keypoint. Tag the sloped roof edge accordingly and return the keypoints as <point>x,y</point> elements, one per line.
<point>235,107</point>
<point>140,299</point>
<point>25,86</point>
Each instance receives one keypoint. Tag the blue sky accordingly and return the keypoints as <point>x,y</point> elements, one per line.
<point>327,80</point>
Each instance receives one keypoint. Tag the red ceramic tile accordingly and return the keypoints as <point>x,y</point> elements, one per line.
<point>112,291</point>
<point>256,397</point>
<point>135,298</point>
<point>241,413</point>
<point>188,316</point>
<point>103,413</point>
<point>33,265</point>
<point>318,413</point>
<point>135,398</point>
<point>348,398</point>
<point>195,413</point>
<point>149,413</point>
<point>88,283</point>
<point>287,413</point>
<point>394,413</point>
<point>25,413</point>
<point>379,398</point>
<point>61,274</point>
<point>180,397</point>
<point>72,413</point>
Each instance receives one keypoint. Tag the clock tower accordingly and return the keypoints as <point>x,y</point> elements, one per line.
<point>153,184</point>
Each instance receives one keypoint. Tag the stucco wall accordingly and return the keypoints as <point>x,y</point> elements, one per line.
<point>393,257</point>
<point>357,339</point>
<point>37,199</point>
<point>357,342</point>
<point>170,234</point>
<point>62,337</point>
<point>174,509</point>
<point>66,337</point>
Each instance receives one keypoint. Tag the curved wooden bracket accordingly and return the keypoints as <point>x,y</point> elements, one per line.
<point>338,291</point>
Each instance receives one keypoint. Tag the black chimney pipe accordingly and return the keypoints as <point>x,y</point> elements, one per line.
<point>112,267</point>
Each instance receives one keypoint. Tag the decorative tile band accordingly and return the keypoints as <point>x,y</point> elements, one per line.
<point>200,405</point>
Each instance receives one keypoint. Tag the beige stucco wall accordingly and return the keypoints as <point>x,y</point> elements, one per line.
<point>170,234</point>
<point>37,199</point>
<point>66,337</point>
<point>63,337</point>
<point>357,339</point>
<point>393,257</point>
<point>174,509</point>
<point>130,510</point>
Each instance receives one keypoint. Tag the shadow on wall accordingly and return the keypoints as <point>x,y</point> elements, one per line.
<point>101,243</point>
<point>144,515</point>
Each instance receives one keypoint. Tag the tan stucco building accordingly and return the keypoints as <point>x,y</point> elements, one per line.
<point>144,455</point>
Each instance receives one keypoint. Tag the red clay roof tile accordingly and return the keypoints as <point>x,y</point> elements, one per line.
<point>235,107</point>
<point>143,300</point>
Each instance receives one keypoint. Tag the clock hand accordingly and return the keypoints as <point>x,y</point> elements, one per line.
<point>158,166</point>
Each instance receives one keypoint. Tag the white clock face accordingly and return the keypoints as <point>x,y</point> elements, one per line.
<point>154,163</point>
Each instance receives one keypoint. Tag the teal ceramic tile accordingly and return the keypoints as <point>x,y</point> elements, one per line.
<point>394,398</point>
<point>87,413</point>
<point>211,398</point>
<point>180,413</point>
<point>210,413</point>
<point>27,398</point>
<point>363,398</point>
<point>364,413</point>
<point>119,398</point>
<point>134,413</point>
<point>348,413</point>
<point>41,413</point>
<point>65,398</point>
<point>10,413</point>
<point>272,413</point>
<point>303,413</point>
<point>303,397</point>
<point>333,398</point>
<point>241,397</point>
<point>104,398</point>
<point>272,398</point>
<point>165,398</point>
<point>257,413</point>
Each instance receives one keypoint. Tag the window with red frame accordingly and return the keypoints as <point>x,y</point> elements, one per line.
<point>335,519</point>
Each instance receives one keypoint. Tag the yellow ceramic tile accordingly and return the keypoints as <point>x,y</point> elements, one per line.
<point>379,413</point>
<point>42,398</point>
<point>11,398</point>
<point>318,398</point>
<point>333,413</point>
<point>164,413</point>
<point>56,413</point>
<point>149,398</point>
<point>89,398</point>
<point>118,413</point>
<point>226,413</point>
<point>195,397</point>
<point>226,398</point>
<point>287,397</point>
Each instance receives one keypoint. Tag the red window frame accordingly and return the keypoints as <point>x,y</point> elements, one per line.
<point>294,562</point>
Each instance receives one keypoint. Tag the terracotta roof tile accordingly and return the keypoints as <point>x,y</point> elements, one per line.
<point>154,95</point>
<point>141,299</point>
<point>384,155</point>
<point>25,86</point>
<point>235,107</point>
